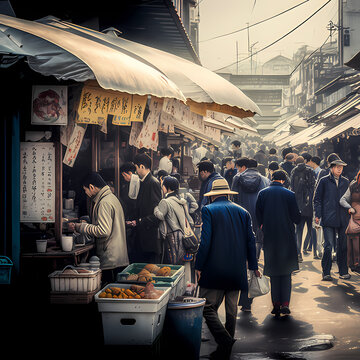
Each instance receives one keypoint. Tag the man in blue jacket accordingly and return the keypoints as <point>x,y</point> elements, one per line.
<point>227,245</point>
<point>333,218</point>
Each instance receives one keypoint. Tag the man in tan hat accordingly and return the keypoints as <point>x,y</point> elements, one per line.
<point>333,218</point>
<point>227,246</point>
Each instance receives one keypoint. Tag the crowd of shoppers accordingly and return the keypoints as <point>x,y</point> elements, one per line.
<point>235,218</point>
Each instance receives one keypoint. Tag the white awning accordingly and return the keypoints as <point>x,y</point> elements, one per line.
<point>56,51</point>
<point>241,125</point>
<point>352,123</point>
<point>218,125</point>
<point>305,135</point>
<point>196,82</point>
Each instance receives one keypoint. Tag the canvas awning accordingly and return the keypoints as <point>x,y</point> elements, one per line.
<point>218,125</point>
<point>352,123</point>
<point>239,124</point>
<point>305,135</point>
<point>204,89</point>
<point>55,51</point>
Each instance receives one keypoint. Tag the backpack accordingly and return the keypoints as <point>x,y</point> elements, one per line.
<point>304,182</point>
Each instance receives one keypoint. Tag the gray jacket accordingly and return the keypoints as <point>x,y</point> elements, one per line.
<point>172,211</point>
<point>108,228</point>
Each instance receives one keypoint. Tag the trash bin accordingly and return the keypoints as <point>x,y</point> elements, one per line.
<point>182,328</point>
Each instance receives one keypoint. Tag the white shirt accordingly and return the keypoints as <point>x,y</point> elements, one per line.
<point>166,164</point>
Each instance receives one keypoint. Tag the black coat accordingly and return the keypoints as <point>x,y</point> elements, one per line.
<point>327,201</point>
<point>276,212</point>
<point>147,234</point>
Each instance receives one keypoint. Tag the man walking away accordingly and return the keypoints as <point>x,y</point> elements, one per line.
<point>276,212</point>
<point>288,163</point>
<point>303,184</point>
<point>227,245</point>
<point>333,218</point>
<point>230,170</point>
<point>207,175</point>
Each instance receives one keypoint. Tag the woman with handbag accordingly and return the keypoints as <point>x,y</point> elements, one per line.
<point>351,202</point>
<point>172,211</point>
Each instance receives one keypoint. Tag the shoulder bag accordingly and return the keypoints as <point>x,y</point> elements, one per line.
<point>190,240</point>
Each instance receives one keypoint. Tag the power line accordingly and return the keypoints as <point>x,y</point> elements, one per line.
<point>276,41</point>
<point>259,22</point>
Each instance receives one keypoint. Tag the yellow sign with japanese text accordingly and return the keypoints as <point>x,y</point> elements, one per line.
<point>96,104</point>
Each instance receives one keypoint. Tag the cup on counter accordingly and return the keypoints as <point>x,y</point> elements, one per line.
<point>41,245</point>
<point>67,242</point>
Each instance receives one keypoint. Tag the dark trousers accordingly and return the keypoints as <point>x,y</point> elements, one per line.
<point>339,242</point>
<point>224,336</point>
<point>280,289</point>
<point>299,233</point>
<point>244,299</point>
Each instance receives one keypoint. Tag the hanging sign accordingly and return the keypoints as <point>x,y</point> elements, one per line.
<point>96,104</point>
<point>37,182</point>
<point>138,108</point>
<point>122,110</point>
<point>134,133</point>
<point>149,136</point>
<point>74,144</point>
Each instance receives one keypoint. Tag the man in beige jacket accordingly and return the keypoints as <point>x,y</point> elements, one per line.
<point>107,227</point>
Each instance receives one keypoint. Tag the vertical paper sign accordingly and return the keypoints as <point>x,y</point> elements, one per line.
<point>149,136</point>
<point>138,108</point>
<point>74,145</point>
<point>134,133</point>
<point>37,182</point>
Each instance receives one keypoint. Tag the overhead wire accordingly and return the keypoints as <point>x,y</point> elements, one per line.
<point>308,56</point>
<point>252,25</point>
<point>276,41</point>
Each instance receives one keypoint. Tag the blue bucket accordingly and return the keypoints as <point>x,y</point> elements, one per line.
<point>182,327</point>
<point>5,270</point>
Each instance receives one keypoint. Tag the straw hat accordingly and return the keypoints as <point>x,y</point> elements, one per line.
<point>220,187</point>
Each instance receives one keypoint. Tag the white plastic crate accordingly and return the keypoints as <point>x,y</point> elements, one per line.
<point>78,282</point>
<point>132,321</point>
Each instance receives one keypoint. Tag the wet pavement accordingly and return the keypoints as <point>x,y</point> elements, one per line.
<point>324,321</point>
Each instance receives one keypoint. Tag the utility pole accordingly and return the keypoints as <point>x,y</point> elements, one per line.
<point>237,59</point>
<point>341,32</point>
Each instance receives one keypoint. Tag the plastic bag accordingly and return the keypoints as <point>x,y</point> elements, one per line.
<point>258,286</point>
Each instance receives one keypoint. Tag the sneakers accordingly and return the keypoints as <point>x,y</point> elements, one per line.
<point>345,276</point>
<point>316,257</point>
<point>327,278</point>
<point>305,252</point>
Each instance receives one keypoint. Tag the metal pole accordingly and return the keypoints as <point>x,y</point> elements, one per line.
<point>237,59</point>
<point>340,33</point>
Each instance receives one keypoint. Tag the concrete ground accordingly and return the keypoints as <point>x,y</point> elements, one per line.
<point>325,316</point>
<point>324,321</point>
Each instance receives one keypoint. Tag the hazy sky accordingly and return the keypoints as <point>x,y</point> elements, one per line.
<point>220,17</point>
